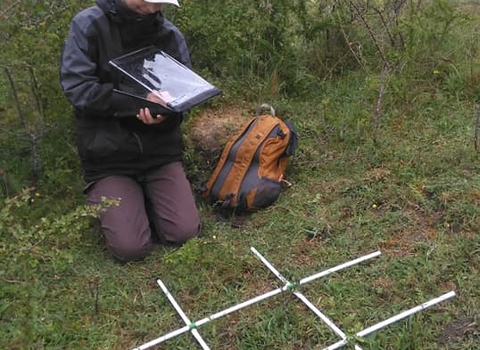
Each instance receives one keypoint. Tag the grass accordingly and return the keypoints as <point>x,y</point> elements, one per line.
<point>413,194</point>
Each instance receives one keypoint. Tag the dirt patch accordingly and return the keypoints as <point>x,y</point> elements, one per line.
<point>378,175</point>
<point>211,129</point>
<point>470,7</point>
<point>460,328</point>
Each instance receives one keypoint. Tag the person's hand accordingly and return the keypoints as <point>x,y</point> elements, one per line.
<point>161,97</point>
<point>146,117</point>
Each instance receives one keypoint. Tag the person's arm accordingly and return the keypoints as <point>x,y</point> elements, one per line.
<point>173,42</point>
<point>81,85</point>
<point>78,78</point>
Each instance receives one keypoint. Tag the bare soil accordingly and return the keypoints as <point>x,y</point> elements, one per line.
<point>211,129</point>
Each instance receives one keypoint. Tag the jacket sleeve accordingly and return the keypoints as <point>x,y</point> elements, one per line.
<point>78,78</point>
<point>176,44</point>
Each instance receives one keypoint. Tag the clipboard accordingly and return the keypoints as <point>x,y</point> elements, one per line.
<point>153,70</point>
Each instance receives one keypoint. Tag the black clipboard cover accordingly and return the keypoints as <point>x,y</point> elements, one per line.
<point>155,71</point>
<point>133,103</point>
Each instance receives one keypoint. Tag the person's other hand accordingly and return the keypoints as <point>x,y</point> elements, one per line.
<point>146,117</point>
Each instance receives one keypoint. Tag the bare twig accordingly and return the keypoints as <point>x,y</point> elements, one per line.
<point>23,119</point>
<point>31,248</point>
<point>4,13</point>
<point>94,286</point>
<point>378,107</point>
<point>349,44</point>
<point>477,122</point>
<point>370,31</point>
<point>36,93</point>
<point>357,57</point>
<point>6,131</point>
<point>4,183</point>
<point>385,25</point>
<point>33,137</point>
<point>13,281</point>
<point>338,63</point>
<point>397,9</point>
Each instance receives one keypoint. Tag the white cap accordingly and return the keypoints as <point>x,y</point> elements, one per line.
<point>173,2</point>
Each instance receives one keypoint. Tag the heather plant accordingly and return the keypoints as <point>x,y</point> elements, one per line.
<point>30,239</point>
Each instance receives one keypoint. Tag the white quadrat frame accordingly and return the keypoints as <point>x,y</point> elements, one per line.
<point>192,326</point>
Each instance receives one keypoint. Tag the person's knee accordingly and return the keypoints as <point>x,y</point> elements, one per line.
<point>182,231</point>
<point>130,251</point>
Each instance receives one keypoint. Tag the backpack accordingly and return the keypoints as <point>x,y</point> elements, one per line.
<point>249,174</point>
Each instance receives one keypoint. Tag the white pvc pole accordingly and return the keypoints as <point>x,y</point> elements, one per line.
<point>339,267</point>
<point>184,317</point>
<point>250,302</point>
<point>212,317</point>
<point>302,297</point>
<point>394,319</point>
<point>405,314</point>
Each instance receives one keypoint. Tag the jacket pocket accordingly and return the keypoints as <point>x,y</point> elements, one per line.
<point>102,141</point>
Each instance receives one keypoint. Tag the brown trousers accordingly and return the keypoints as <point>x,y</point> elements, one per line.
<point>161,201</point>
